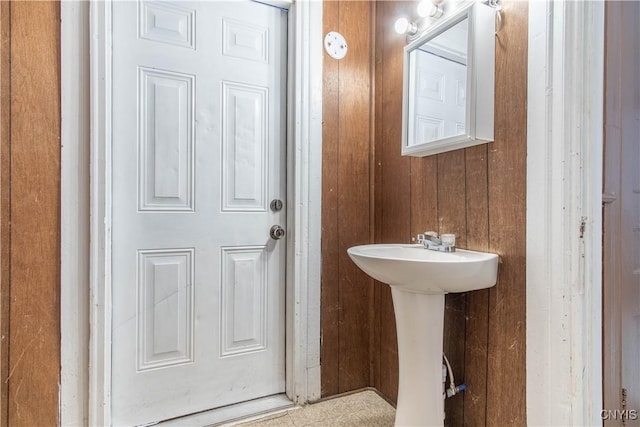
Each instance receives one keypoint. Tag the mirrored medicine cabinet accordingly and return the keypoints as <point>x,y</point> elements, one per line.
<point>448,83</point>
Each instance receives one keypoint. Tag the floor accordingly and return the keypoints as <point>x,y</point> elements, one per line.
<point>365,408</point>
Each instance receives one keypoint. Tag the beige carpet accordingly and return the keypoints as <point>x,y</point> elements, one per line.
<point>365,408</point>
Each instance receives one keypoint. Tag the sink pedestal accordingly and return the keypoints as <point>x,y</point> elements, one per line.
<point>419,279</point>
<point>420,326</point>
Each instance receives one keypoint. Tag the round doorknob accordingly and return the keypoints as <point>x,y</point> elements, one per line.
<point>277,232</point>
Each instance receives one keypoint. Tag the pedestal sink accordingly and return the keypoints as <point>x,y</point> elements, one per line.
<point>419,279</point>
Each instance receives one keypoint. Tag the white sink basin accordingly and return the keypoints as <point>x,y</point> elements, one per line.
<point>419,278</point>
<point>415,269</point>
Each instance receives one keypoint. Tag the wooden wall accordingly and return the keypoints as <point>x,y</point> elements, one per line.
<point>5,202</point>
<point>30,212</point>
<point>477,193</point>
<point>347,199</point>
<point>621,296</point>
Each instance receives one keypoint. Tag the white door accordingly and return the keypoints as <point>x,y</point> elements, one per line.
<point>198,140</point>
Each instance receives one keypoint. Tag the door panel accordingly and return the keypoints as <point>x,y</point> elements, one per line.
<point>166,140</point>
<point>165,307</point>
<point>198,153</point>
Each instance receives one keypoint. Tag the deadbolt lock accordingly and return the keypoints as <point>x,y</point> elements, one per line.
<point>276,205</point>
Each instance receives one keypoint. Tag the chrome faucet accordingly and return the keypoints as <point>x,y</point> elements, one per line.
<point>431,241</point>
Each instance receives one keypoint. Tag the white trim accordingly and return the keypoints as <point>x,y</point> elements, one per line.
<point>100,249</point>
<point>280,4</point>
<point>74,269</point>
<point>304,189</point>
<point>305,195</point>
<point>564,185</point>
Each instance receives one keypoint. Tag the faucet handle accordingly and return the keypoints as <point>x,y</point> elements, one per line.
<point>426,235</point>
<point>429,236</point>
<point>448,239</point>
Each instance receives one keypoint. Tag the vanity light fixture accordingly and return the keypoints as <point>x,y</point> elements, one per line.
<point>404,26</point>
<point>497,6</point>
<point>431,8</point>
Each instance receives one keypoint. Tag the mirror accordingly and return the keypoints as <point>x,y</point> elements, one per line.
<point>448,87</point>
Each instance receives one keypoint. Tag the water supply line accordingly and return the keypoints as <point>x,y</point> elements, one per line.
<point>453,389</point>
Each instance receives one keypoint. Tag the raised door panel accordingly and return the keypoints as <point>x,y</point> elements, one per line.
<point>244,303</point>
<point>167,23</point>
<point>165,308</point>
<point>245,114</point>
<point>166,140</point>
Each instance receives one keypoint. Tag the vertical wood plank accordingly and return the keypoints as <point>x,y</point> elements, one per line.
<point>612,227</point>
<point>620,293</point>
<point>374,341</point>
<point>330,289</point>
<point>475,399</point>
<point>451,195</point>
<point>353,196</point>
<point>393,180</point>
<point>378,288</point>
<point>452,219</point>
<point>5,203</point>
<point>394,206</point>
<point>424,194</point>
<point>629,200</point>
<point>348,183</point>
<point>34,354</point>
<point>507,237</point>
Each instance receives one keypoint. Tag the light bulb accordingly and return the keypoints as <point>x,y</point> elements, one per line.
<point>401,25</point>
<point>432,8</point>
<point>424,7</point>
<point>436,11</point>
<point>404,26</point>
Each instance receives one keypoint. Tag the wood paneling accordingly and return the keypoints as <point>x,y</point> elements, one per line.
<point>612,212</point>
<point>347,293</point>
<point>330,294</point>
<point>477,193</point>
<point>506,176</point>
<point>392,182</point>
<point>5,202</point>
<point>621,291</point>
<point>477,321</point>
<point>34,239</point>
<point>452,219</point>
<point>353,195</point>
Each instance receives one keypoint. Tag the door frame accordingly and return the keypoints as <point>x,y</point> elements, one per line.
<point>85,279</point>
<point>564,212</point>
